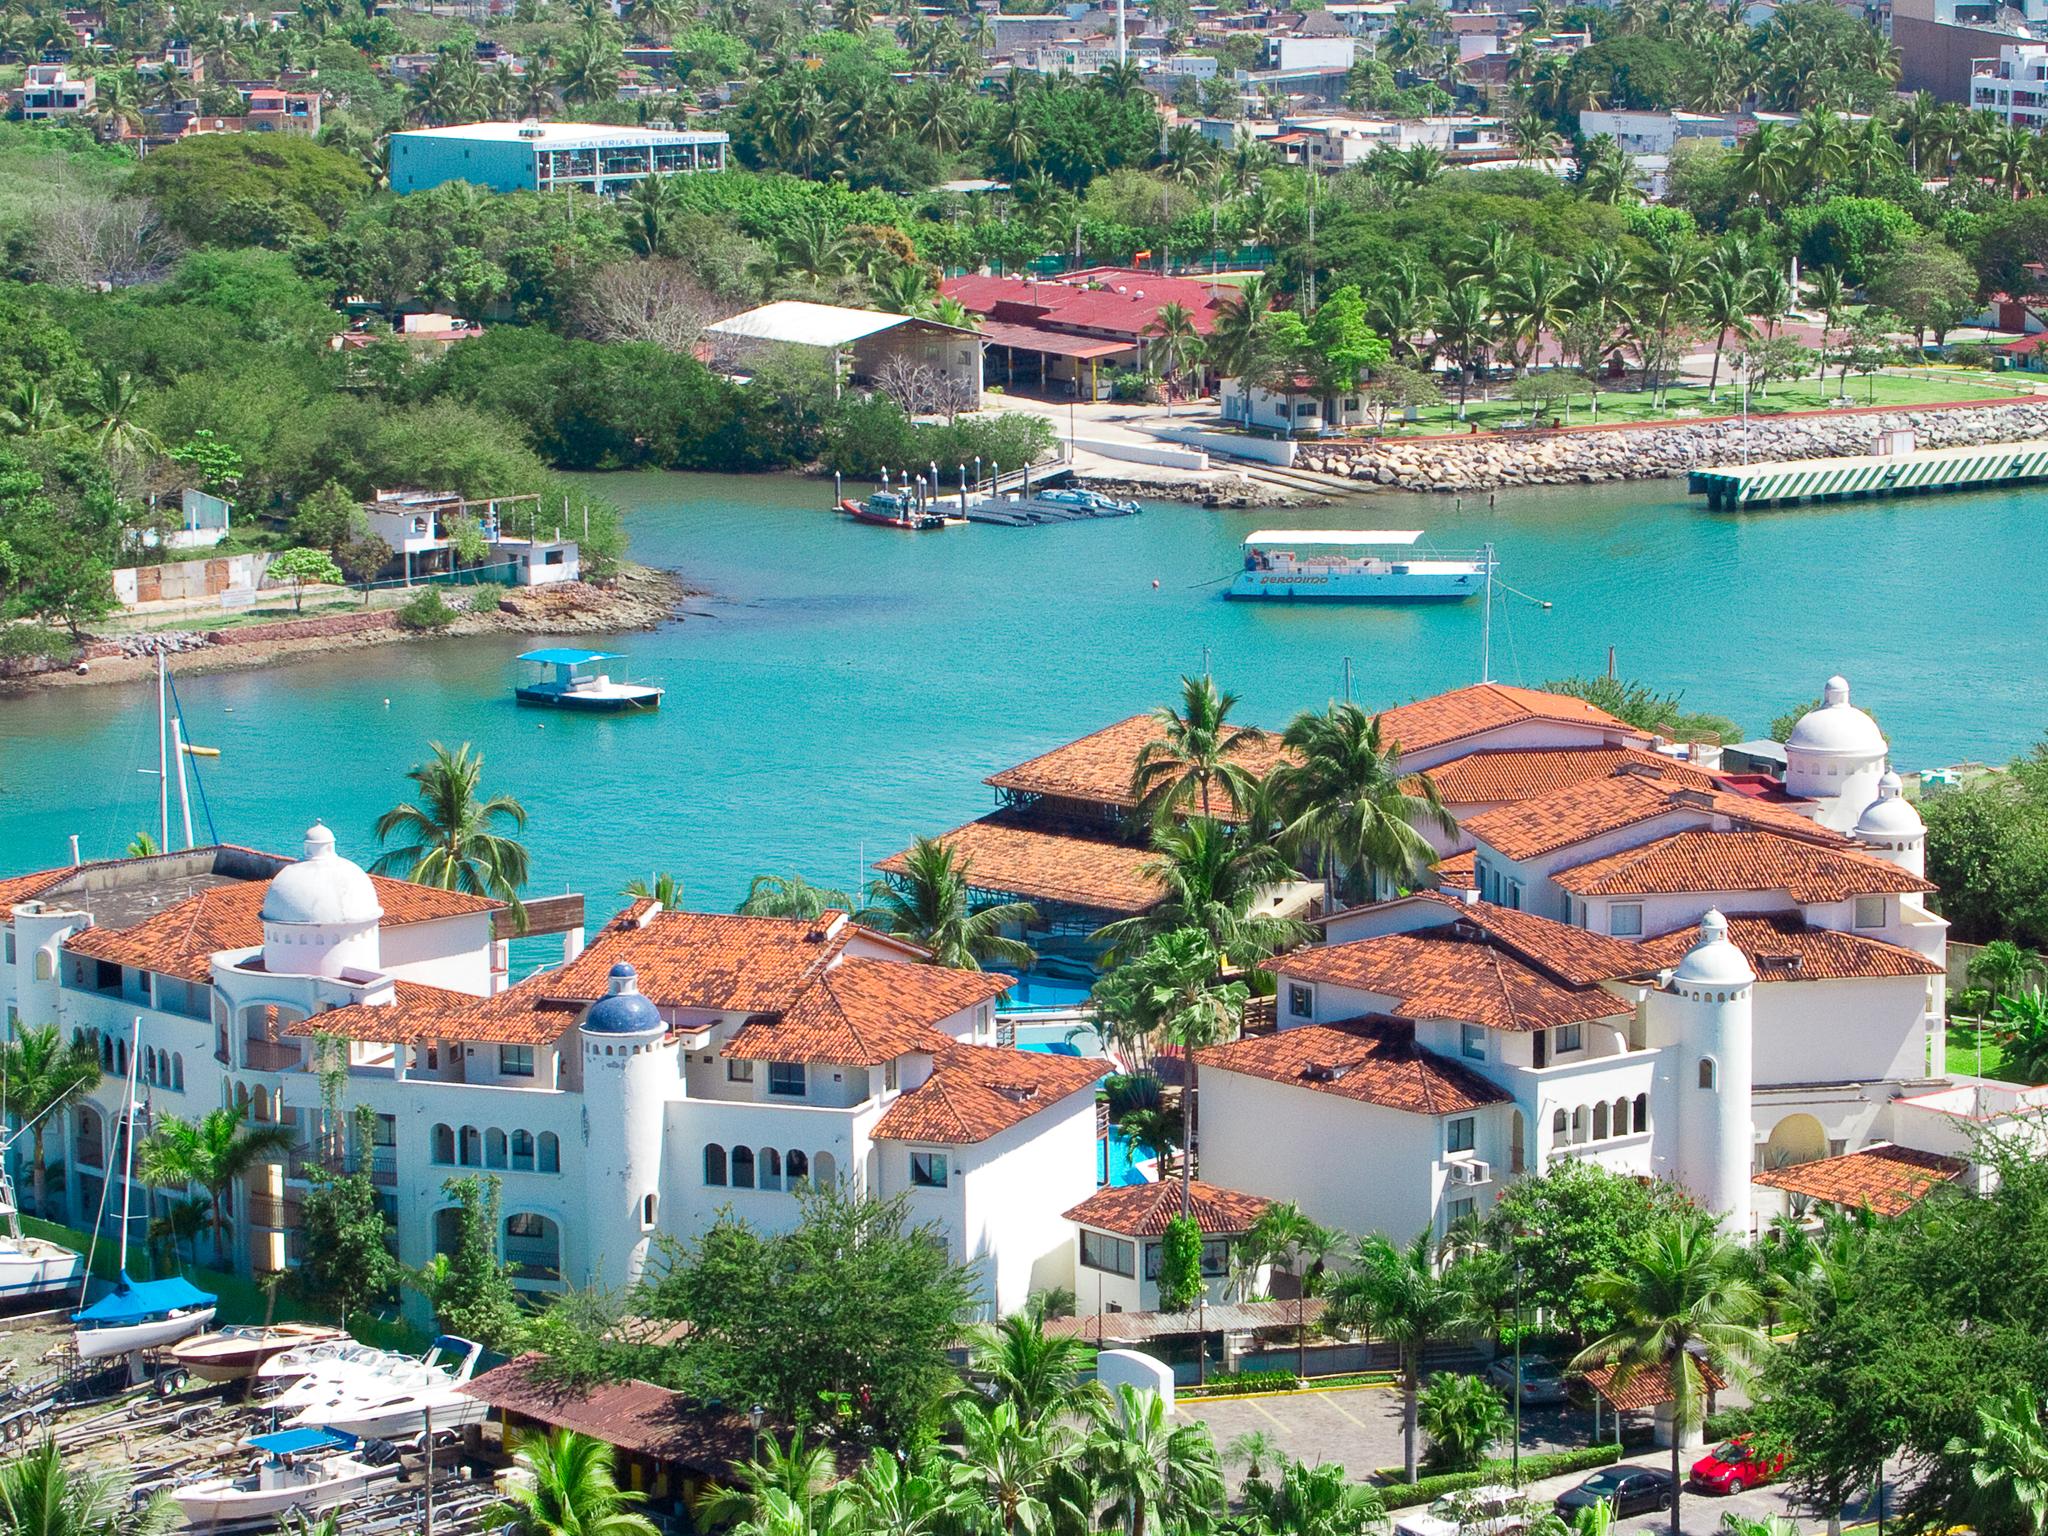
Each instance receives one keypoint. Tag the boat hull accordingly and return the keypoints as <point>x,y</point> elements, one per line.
<point>632,702</point>
<point>220,1357</point>
<point>124,1338</point>
<point>401,1421</point>
<point>221,1501</point>
<point>37,1268</point>
<point>1357,587</point>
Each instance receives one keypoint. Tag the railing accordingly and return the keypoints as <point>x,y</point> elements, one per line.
<point>270,1055</point>
<point>273,1211</point>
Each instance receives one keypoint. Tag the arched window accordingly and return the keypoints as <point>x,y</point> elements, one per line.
<point>178,1071</point>
<point>472,1146</point>
<point>1642,1112</point>
<point>533,1246</point>
<point>770,1163</point>
<point>443,1140</point>
<point>1600,1121</point>
<point>91,1137</point>
<point>550,1152</point>
<point>106,1053</point>
<point>494,1148</point>
<point>242,1099</point>
<point>650,1206</point>
<point>714,1163</point>
<point>797,1168</point>
<point>121,1058</point>
<point>1579,1124</point>
<point>1558,1126</point>
<point>46,965</point>
<point>1621,1117</point>
<point>823,1169</point>
<point>522,1151</point>
<point>1710,1074</point>
<point>742,1167</point>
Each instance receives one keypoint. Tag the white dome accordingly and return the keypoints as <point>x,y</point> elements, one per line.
<point>1890,816</point>
<point>1713,961</point>
<point>1837,728</point>
<point>321,889</point>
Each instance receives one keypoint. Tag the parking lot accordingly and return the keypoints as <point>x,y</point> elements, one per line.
<point>1360,1429</point>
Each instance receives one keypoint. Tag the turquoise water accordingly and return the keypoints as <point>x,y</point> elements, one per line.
<point>847,687</point>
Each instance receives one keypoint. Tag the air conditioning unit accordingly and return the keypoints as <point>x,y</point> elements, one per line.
<point>1471,1171</point>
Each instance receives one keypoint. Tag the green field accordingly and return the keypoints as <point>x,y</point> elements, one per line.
<point>1965,1037</point>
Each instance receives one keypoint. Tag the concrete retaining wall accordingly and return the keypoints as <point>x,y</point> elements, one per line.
<point>1258,450</point>
<point>1141,453</point>
<point>184,580</point>
<point>1491,461</point>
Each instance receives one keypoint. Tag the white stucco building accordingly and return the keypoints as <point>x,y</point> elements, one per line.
<point>683,1064</point>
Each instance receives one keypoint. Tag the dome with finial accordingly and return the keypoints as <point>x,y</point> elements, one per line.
<point>1713,960</point>
<point>1890,817</point>
<point>1837,729</point>
<point>322,889</point>
<point>623,1010</point>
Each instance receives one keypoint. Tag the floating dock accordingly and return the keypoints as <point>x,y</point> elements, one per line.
<point>1912,472</point>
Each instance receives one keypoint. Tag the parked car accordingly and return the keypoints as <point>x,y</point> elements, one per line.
<point>1542,1381</point>
<point>1625,1490</point>
<point>1491,1510</point>
<point>1733,1466</point>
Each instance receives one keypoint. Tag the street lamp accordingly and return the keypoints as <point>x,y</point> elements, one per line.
<point>755,1415</point>
<point>1516,1455</point>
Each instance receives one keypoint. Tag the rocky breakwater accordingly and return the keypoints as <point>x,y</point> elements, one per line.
<point>1658,452</point>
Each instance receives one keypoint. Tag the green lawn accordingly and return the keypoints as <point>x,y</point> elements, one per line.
<point>1634,404</point>
<point>1964,1037</point>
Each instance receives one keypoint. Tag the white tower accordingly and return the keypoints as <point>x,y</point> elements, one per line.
<point>1706,1008</point>
<point>1892,830</point>
<point>320,915</point>
<point>1834,757</point>
<point>628,1068</point>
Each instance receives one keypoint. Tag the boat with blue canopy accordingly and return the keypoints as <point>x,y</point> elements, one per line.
<point>141,1314</point>
<point>568,682</point>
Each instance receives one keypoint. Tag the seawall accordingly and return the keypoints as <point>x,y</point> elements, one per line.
<point>1586,455</point>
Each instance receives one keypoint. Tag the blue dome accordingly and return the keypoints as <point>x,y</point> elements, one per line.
<point>622,1011</point>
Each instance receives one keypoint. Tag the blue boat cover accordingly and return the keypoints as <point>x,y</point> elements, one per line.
<point>291,1442</point>
<point>564,656</point>
<point>135,1301</point>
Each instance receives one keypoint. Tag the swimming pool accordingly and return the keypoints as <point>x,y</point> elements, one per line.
<point>1113,1164</point>
<point>1035,989</point>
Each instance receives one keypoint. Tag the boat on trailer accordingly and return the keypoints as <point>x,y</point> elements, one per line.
<point>568,683</point>
<point>235,1354</point>
<point>308,1470</point>
<point>30,1266</point>
<point>1364,565</point>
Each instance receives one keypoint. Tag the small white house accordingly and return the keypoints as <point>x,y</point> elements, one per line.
<point>1295,411</point>
<point>542,562</point>
<point>1117,1233</point>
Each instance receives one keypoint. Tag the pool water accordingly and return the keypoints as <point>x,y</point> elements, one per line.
<point>1114,1165</point>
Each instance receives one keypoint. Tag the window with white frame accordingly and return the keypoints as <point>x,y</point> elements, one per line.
<point>1625,919</point>
<point>928,1170</point>
<point>1567,1037</point>
<point>1472,1041</point>
<point>1869,911</point>
<point>737,1071</point>
<point>1111,1255</point>
<point>1460,1210</point>
<point>1462,1134</point>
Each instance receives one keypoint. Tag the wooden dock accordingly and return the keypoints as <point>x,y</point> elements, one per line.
<point>1914,472</point>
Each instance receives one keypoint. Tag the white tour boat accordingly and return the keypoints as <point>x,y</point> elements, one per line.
<point>308,1470</point>
<point>571,686</point>
<point>1339,565</point>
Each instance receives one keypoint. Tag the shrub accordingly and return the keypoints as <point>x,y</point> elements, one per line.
<point>1726,1424</point>
<point>1427,1490</point>
<point>1223,1383</point>
<point>1464,1418</point>
<point>485,600</point>
<point>29,647</point>
<point>1970,354</point>
<point>426,613</point>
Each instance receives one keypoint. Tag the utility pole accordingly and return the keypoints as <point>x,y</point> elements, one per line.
<point>427,1414</point>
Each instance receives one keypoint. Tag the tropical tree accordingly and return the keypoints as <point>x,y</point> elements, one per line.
<point>791,896</point>
<point>2002,967</point>
<point>660,886</point>
<point>451,831</point>
<point>1348,804</point>
<point>2020,1022</point>
<point>1175,347</point>
<point>1404,1297</point>
<point>44,1494</point>
<point>209,1154</point>
<point>1724,306</point>
<point>914,1497</point>
<point>569,1490</point>
<point>1044,1377</point>
<point>797,1484</point>
<point>1195,753</point>
<point>1310,1501</point>
<point>116,424</point>
<point>1176,982</point>
<point>1015,1470</point>
<point>1828,294</point>
<point>1152,1472</point>
<point>2008,1465</point>
<point>1467,328</point>
<point>1684,1305</point>
<point>1464,1418</point>
<point>179,1226</point>
<point>1211,877</point>
<point>931,903</point>
<point>41,1071</point>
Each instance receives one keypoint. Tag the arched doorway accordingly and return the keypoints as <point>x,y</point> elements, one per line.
<point>1795,1139</point>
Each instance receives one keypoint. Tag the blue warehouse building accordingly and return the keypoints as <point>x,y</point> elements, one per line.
<point>539,157</point>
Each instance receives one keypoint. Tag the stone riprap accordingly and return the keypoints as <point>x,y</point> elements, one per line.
<point>1655,452</point>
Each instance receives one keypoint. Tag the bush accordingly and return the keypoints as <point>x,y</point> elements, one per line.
<point>485,600</point>
<point>426,613</point>
<point>29,648</point>
<point>1726,1424</point>
<point>1427,1490</point>
<point>1227,1383</point>
<point>1970,354</point>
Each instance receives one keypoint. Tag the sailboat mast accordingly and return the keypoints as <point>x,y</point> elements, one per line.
<point>1486,623</point>
<point>128,1144</point>
<point>163,769</point>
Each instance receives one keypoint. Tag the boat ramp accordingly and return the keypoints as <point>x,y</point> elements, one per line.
<point>1900,472</point>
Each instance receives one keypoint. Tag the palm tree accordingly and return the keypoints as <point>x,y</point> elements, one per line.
<point>1156,1129</point>
<point>1175,346</point>
<point>1233,339</point>
<point>2008,1465</point>
<point>1211,877</point>
<point>41,1071</point>
<point>2020,1023</point>
<point>798,1480</point>
<point>1826,292</point>
<point>1725,298</point>
<point>450,830</point>
<point>1151,1471</point>
<point>1684,1304</point>
<point>569,1490</point>
<point>791,896</point>
<point>2002,967</point>
<point>662,887</point>
<point>1464,1418</point>
<point>1194,753</point>
<point>1312,1501</point>
<point>931,903</point>
<point>1177,978</point>
<point>41,1494</point>
<point>31,411</point>
<point>1044,1378</point>
<point>1767,166</point>
<point>913,1498</point>
<point>1532,303</point>
<point>180,1225</point>
<point>1011,1467</point>
<point>1349,804</point>
<point>1401,1295</point>
<point>1466,329</point>
<point>210,1154</point>
<point>117,432</point>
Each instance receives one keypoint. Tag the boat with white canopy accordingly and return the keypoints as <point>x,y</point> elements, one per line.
<point>1356,565</point>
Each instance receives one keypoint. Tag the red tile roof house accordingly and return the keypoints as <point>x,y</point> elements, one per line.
<point>1063,335</point>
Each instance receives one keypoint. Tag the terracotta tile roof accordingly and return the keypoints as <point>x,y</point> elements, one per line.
<point>420,1015</point>
<point>1645,1389</point>
<point>1143,1210</point>
<point>1522,773</point>
<point>865,1012</point>
<point>1780,946</point>
<point>707,959</point>
<point>1463,712</point>
<point>978,1091</point>
<point>179,939</point>
<point>1112,1328</point>
<point>1005,852</point>
<point>18,888</point>
<point>1457,871</point>
<point>1629,796</point>
<point>1883,1180</point>
<point>1374,1060</point>
<point>1476,973</point>
<point>635,1416</point>
<point>1098,767</point>
<point>1703,861</point>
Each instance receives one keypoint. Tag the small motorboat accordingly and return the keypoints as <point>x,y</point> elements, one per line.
<point>303,1360</point>
<point>570,686</point>
<point>235,1354</point>
<point>308,1470</point>
<point>1070,505</point>
<point>395,1403</point>
<point>898,509</point>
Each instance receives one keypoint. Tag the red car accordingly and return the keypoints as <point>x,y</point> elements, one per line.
<point>1733,1466</point>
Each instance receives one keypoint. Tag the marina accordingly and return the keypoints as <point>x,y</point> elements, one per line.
<point>1901,471</point>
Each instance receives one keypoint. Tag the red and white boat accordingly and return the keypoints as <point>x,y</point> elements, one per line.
<point>894,509</point>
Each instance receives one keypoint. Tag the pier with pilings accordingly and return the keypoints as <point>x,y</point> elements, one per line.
<point>1908,472</point>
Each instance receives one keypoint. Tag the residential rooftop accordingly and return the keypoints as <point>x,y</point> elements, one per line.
<point>1373,1059</point>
